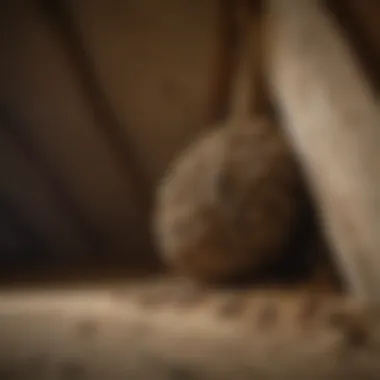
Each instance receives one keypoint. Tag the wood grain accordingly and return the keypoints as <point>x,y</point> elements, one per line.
<point>144,330</point>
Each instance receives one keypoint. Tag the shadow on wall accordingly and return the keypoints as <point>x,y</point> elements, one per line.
<point>75,161</point>
<point>20,245</point>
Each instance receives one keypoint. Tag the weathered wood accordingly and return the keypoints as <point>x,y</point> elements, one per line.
<point>148,331</point>
<point>332,120</point>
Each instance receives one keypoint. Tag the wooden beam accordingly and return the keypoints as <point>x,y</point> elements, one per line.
<point>145,330</point>
<point>332,120</point>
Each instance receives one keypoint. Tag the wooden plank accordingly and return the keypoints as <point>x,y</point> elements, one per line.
<point>332,119</point>
<point>143,331</point>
